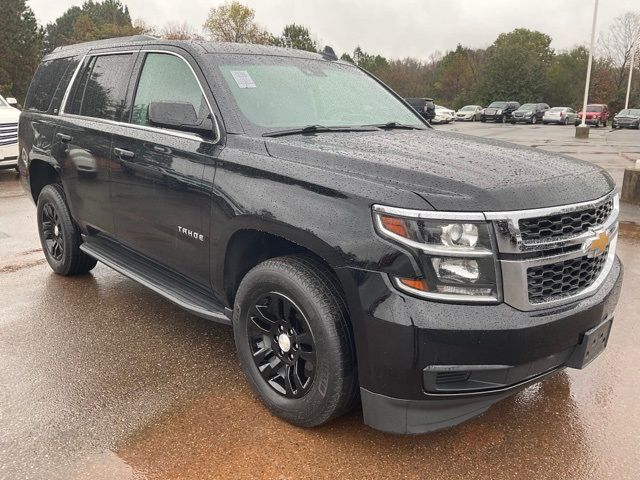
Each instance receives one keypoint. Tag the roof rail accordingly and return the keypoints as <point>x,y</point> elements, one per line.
<point>106,42</point>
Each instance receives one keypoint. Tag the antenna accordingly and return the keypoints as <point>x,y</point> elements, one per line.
<point>329,54</point>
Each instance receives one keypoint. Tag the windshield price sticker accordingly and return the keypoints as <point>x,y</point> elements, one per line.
<point>243,79</point>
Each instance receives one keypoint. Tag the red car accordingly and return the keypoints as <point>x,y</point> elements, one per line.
<point>597,114</point>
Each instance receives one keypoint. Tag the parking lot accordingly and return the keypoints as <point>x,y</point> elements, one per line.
<point>101,378</point>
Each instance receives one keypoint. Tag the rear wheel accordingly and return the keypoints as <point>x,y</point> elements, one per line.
<point>294,342</point>
<point>59,235</point>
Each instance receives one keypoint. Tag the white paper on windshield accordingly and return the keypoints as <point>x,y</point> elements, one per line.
<point>243,79</point>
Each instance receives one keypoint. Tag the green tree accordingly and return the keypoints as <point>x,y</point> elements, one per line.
<point>565,78</point>
<point>234,22</point>
<point>374,64</point>
<point>516,67</point>
<point>20,47</point>
<point>296,36</point>
<point>457,76</point>
<point>92,21</point>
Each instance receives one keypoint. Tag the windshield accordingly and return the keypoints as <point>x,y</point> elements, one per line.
<point>3,102</point>
<point>630,111</point>
<point>282,92</point>
<point>556,109</point>
<point>594,108</point>
<point>528,107</point>
<point>468,108</point>
<point>498,105</point>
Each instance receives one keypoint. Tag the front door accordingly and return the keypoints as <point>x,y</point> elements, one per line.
<point>161,177</point>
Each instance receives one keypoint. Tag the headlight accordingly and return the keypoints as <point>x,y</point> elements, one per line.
<point>454,252</point>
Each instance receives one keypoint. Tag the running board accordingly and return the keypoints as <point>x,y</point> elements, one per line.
<point>171,286</point>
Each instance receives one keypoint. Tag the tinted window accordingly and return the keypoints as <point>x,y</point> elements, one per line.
<point>100,89</point>
<point>166,78</point>
<point>45,83</point>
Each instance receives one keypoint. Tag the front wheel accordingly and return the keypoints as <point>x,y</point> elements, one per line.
<point>534,120</point>
<point>59,235</point>
<point>294,341</point>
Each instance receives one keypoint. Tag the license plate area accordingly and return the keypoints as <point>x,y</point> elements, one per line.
<point>592,344</point>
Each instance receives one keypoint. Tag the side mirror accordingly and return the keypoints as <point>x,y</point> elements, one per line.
<point>12,101</point>
<point>179,116</point>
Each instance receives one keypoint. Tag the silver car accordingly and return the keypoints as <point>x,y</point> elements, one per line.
<point>559,115</point>
<point>469,113</point>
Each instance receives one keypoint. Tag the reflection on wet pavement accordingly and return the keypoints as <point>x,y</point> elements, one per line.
<point>102,379</point>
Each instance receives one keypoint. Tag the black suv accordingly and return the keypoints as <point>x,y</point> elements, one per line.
<point>290,195</point>
<point>529,113</point>
<point>499,112</point>
<point>424,106</point>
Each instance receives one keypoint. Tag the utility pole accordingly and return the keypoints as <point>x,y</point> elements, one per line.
<point>633,64</point>
<point>582,131</point>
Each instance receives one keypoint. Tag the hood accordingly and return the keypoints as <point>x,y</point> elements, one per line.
<point>451,171</point>
<point>9,115</point>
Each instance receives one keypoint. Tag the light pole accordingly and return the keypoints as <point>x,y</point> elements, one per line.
<point>582,131</point>
<point>633,63</point>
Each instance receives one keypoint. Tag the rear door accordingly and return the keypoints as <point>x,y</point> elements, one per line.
<point>94,103</point>
<point>161,177</point>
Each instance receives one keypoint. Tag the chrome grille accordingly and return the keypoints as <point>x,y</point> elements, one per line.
<point>8,134</point>
<point>567,224</point>
<point>562,279</point>
<point>549,255</point>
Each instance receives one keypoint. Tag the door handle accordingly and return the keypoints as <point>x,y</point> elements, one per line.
<point>64,137</point>
<point>123,154</point>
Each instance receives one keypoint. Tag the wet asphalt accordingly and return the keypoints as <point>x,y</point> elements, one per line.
<point>102,379</point>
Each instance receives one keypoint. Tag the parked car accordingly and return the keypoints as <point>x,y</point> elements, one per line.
<point>627,118</point>
<point>9,116</point>
<point>597,114</point>
<point>529,113</point>
<point>352,249</point>
<point>469,113</point>
<point>559,115</point>
<point>443,115</point>
<point>499,112</point>
<point>424,106</point>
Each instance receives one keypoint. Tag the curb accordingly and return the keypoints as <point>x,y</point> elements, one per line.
<point>629,230</point>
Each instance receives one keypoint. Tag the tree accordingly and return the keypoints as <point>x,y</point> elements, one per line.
<point>618,42</point>
<point>516,67</point>
<point>179,31</point>
<point>374,64</point>
<point>91,21</point>
<point>21,41</point>
<point>234,22</point>
<point>296,36</point>
<point>565,78</point>
<point>457,77</point>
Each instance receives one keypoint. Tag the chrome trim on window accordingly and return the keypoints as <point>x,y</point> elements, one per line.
<point>175,133</point>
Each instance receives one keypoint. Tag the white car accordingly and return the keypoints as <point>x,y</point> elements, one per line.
<point>443,115</point>
<point>8,133</point>
<point>469,113</point>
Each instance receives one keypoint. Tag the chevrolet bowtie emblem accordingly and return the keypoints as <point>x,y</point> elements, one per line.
<point>598,245</point>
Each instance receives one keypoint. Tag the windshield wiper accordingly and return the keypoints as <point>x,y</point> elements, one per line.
<point>394,126</point>
<point>315,129</point>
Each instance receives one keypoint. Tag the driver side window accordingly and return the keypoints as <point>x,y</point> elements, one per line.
<point>166,78</point>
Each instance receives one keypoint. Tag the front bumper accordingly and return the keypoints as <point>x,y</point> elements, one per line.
<point>425,365</point>
<point>521,119</point>
<point>625,124</point>
<point>9,155</point>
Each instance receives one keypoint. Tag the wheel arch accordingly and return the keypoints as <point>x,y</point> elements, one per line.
<point>41,174</point>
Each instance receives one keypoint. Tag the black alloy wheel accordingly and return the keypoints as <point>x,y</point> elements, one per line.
<point>282,344</point>
<point>52,231</point>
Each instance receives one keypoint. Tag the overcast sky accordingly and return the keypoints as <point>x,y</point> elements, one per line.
<point>393,28</point>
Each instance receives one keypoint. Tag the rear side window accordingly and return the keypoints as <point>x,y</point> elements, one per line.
<point>46,82</point>
<point>100,89</point>
<point>166,78</point>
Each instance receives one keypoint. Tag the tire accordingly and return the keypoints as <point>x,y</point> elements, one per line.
<point>483,120</point>
<point>534,120</point>
<point>59,235</point>
<point>315,351</point>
